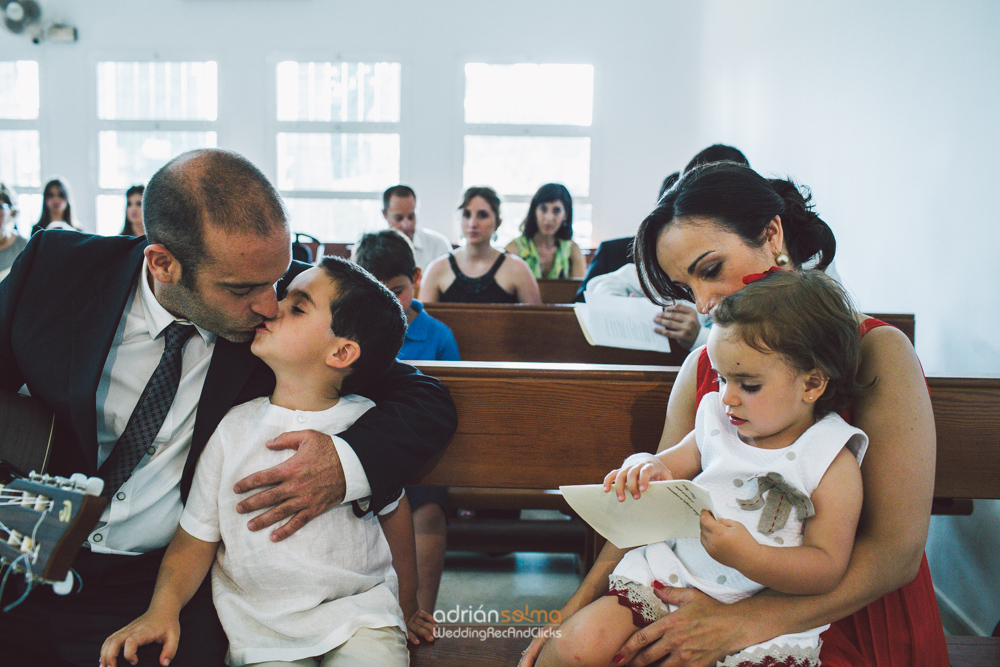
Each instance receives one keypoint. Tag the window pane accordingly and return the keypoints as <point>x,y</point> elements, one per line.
<point>519,165</point>
<point>19,89</point>
<point>156,91</point>
<point>29,210</point>
<point>527,93</point>
<point>338,91</point>
<point>110,214</point>
<point>335,220</point>
<point>131,158</point>
<point>20,160</point>
<point>512,213</point>
<point>324,161</point>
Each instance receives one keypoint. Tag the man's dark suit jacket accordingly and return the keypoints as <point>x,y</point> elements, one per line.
<point>60,308</point>
<point>609,256</point>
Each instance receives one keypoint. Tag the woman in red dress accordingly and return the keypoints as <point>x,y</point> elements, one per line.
<point>720,223</point>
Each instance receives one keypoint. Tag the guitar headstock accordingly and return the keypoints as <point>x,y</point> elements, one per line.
<point>43,522</point>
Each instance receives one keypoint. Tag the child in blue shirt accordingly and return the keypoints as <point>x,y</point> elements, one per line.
<point>388,256</point>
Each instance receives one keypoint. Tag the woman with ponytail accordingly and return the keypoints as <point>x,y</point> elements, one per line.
<point>719,225</point>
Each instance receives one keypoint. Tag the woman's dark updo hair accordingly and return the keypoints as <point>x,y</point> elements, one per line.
<point>741,201</point>
<point>549,192</point>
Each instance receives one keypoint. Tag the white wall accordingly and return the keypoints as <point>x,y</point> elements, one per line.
<point>886,109</point>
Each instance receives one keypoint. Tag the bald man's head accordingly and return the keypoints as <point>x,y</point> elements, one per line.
<point>208,187</point>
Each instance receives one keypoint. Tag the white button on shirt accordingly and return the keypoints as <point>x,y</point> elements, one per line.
<point>144,515</point>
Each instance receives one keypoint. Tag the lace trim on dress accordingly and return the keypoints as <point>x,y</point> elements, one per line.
<point>784,655</point>
<point>639,598</point>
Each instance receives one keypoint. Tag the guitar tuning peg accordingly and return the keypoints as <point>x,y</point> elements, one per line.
<point>95,485</point>
<point>64,587</point>
<point>78,479</point>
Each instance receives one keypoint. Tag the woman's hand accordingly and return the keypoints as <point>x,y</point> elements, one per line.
<point>700,633</point>
<point>679,322</point>
<point>635,475</point>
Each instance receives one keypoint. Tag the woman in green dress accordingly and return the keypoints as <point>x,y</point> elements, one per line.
<point>546,242</point>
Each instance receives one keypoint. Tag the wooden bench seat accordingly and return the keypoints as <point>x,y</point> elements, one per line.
<point>536,426</point>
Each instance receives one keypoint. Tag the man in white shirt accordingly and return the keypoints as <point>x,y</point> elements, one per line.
<point>82,325</point>
<point>399,208</point>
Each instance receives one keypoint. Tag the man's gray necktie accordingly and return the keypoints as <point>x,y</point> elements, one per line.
<point>149,413</point>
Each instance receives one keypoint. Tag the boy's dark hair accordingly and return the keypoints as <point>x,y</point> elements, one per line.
<point>807,318</point>
<point>385,254</point>
<point>365,312</point>
<point>400,191</point>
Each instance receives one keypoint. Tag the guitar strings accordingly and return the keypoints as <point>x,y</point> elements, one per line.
<point>28,578</point>
<point>25,560</point>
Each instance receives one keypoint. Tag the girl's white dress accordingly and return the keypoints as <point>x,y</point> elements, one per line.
<point>768,491</point>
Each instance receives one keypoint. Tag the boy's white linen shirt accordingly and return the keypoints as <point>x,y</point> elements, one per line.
<point>144,513</point>
<point>309,593</point>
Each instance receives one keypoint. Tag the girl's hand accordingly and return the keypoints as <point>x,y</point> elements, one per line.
<point>635,475</point>
<point>728,542</point>
<point>420,625</point>
<point>150,627</point>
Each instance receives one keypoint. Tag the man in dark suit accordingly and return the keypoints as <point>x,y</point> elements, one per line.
<point>609,256</point>
<point>82,325</point>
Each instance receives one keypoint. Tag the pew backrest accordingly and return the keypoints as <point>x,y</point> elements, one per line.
<point>537,426</point>
<point>559,290</point>
<point>552,334</point>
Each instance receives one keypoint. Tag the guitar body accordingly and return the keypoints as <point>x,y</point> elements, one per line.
<point>26,429</point>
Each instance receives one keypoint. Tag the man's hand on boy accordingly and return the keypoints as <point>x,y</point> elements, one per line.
<point>150,627</point>
<point>635,475</point>
<point>303,487</point>
<point>420,625</point>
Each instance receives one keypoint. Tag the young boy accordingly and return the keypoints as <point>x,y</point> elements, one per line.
<point>329,591</point>
<point>388,256</point>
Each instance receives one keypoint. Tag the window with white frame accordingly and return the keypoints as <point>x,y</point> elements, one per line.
<point>148,113</point>
<point>20,151</point>
<point>337,144</point>
<point>528,124</point>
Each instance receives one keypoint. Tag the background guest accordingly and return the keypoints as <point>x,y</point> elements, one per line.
<point>57,213</point>
<point>478,272</point>
<point>399,208</point>
<point>546,241</point>
<point>11,243</point>
<point>133,212</point>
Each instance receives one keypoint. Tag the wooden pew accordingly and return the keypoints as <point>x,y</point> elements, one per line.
<point>502,332</point>
<point>551,333</point>
<point>538,426</point>
<point>561,290</point>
